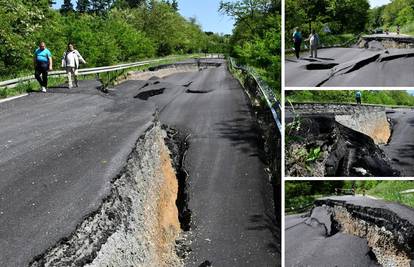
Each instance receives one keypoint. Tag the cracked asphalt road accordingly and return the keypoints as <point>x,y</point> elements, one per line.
<point>400,148</point>
<point>60,151</point>
<point>351,67</point>
<point>232,222</point>
<point>307,243</point>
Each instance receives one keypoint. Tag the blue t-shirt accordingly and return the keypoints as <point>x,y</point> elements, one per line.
<point>358,94</point>
<point>43,56</point>
<point>297,36</point>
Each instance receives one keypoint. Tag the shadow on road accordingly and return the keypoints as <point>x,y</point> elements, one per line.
<point>267,223</point>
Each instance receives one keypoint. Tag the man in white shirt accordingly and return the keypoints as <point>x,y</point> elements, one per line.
<point>70,62</point>
<point>313,43</point>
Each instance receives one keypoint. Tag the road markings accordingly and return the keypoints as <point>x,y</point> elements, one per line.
<point>12,98</point>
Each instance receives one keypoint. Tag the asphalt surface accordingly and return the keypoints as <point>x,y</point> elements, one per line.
<point>232,223</point>
<point>401,210</point>
<point>351,67</point>
<point>60,151</point>
<point>308,245</point>
<point>400,148</point>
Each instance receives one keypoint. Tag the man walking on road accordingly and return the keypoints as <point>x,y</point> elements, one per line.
<point>297,40</point>
<point>358,97</point>
<point>43,63</point>
<point>70,62</point>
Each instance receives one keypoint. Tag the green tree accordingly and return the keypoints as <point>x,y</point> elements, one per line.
<point>100,6</point>
<point>350,15</point>
<point>313,10</point>
<point>83,6</point>
<point>256,37</point>
<point>174,5</point>
<point>66,7</point>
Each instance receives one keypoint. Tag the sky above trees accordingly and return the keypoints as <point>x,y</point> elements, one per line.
<point>375,3</point>
<point>206,13</point>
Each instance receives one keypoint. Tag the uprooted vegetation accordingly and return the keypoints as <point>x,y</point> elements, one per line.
<point>320,146</point>
<point>139,222</point>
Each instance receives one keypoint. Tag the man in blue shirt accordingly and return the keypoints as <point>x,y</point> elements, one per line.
<point>297,41</point>
<point>358,96</point>
<point>43,63</point>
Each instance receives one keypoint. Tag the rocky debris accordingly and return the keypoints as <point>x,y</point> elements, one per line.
<point>137,224</point>
<point>342,151</point>
<point>389,236</point>
<point>383,42</point>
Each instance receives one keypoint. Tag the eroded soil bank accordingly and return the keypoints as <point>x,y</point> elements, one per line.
<point>337,150</point>
<point>389,237</point>
<point>137,224</point>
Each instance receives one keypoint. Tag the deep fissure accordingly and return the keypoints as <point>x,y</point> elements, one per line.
<point>389,237</point>
<point>178,146</point>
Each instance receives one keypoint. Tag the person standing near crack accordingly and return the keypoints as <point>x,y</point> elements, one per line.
<point>70,61</point>
<point>43,63</point>
<point>358,96</point>
<point>313,43</point>
<point>297,41</point>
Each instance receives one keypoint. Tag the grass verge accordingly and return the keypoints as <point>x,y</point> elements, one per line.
<point>391,191</point>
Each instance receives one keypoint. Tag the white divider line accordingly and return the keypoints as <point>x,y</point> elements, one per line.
<point>12,98</point>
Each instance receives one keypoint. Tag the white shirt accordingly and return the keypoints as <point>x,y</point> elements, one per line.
<point>71,59</point>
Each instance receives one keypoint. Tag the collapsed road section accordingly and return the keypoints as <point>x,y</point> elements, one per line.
<point>351,231</point>
<point>375,60</point>
<point>77,188</point>
<point>346,139</point>
<point>137,223</point>
<point>351,140</point>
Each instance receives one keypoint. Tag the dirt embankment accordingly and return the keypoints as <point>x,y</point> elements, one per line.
<point>374,124</point>
<point>342,151</point>
<point>137,224</point>
<point>389,237</point>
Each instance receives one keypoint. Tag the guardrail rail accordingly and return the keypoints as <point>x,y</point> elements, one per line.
<point>97,70</point>
<point>272,127</point>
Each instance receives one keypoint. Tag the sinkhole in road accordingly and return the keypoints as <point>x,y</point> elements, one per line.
<point>150,93</point>
<point>192,91</point>
<point>320,66</point>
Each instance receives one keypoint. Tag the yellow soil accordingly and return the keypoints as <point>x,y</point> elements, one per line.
<point>168,223</point>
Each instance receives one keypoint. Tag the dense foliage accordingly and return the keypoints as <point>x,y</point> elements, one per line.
<point>256,36</point>
<point>104,31</point>
<point>299,193</point>
<point>328,17</point>
<point>383,97</point>
<point>398,12</point>
<point>302,193</point>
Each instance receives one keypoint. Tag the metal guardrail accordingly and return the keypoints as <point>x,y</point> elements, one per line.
<point>87,71</point>
<point>270,124</point>
<point>266,91</point>
<point>299,208</point>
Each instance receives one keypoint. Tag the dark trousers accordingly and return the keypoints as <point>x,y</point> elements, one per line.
<point>41,73</point>
<point>297,49</point>
<point>358,100</point>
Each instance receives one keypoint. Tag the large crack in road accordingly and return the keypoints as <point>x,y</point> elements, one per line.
<point>344,151</point>
<point>61,150</point>
<point>372,63</point>
<point>400,148</point>
<point>351,231</point>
